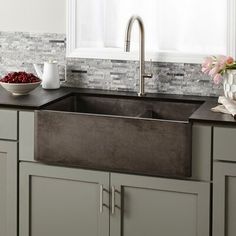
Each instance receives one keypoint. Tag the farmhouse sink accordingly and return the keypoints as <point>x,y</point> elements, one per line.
<point>115,133</point>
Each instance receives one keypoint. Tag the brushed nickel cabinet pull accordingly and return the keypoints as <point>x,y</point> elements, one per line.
<point>101,198</point>
<point>101,204</point>
<point>113,192</point>
<point>113,200</point>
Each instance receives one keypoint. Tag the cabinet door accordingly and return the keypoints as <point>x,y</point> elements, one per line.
<point>8,188</point>
<point>158,207</point>
<point>58,201</point>
<point>224,199</point>
<point>8,124</point>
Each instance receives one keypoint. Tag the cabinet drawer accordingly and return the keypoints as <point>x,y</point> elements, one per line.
<point>224,143</point>
<point>8,124</point>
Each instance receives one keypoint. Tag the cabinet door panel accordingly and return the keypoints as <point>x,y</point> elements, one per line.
<point>163,207</point>
<point>201,152</point>
<point>62,201</point>
<point>26,135</point>
<point>224,143</point>
<point>8,188</point>
<point>224,199</point>
<point>8,124</point>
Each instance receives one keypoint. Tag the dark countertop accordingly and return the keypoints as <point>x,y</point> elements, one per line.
<point>35,100</point>
<point>39,98</point>
<point>204,114</point>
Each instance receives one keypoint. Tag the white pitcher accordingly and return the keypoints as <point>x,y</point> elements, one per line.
<point>49,76</point>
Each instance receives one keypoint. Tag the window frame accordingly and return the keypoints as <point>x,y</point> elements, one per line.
<point>173,57</point>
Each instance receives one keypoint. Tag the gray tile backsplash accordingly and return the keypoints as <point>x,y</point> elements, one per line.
<point>19,50</point>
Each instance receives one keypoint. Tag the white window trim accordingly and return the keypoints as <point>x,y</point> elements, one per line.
<point>231,28</point>
<point>73,52</point>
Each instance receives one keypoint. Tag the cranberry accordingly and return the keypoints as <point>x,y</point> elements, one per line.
<point>20,77</point>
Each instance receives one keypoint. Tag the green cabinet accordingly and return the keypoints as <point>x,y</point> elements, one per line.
<point>156,206</point>
<point>224,143</point>
<point>224,181</point>
<point>26,135</point>
<point>8,188</point>
<point>224,199</point>
<point>60,201</point>
<point>8,124</point>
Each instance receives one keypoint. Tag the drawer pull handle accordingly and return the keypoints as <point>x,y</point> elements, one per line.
<point>113,200</point>
<point>101,205</point>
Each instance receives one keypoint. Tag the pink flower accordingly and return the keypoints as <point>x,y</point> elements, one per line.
<point>217,78</point>
<point>229,60</point>
<point>215,70</point>
<point>206,70</point>
<point>221,59</point>
<point>217,66</point>
<point>208,62</point>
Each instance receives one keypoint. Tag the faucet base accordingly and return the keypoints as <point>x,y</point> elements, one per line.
<point>141,94</point>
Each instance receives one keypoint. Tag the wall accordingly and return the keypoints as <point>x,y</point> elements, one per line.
<point>28,26</point>
<point>45,16</point>
<point>18,51</point>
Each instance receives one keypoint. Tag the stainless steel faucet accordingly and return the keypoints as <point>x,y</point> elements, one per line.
<point>142,74</point>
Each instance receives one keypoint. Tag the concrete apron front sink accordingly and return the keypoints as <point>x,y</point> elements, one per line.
<point>115,133</point>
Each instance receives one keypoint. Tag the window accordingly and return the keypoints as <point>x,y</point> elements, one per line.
<point>180,30</point>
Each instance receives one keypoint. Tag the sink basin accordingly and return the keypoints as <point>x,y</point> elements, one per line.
<point>115,133</point>
<point>127,107</point>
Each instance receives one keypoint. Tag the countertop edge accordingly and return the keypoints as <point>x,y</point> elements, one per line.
<point>40,98</point>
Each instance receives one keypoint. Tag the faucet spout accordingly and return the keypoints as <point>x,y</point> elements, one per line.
<point>142,74</point>
<point>127,46</point>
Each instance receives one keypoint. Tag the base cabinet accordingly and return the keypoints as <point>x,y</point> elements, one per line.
<point>8,188</point>
<point>224,199</point>
<point>58,201</point>
<point>157,206</point>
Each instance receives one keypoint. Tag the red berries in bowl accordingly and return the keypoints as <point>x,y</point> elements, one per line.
<point>20,77</point>
<point>20,83</point>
